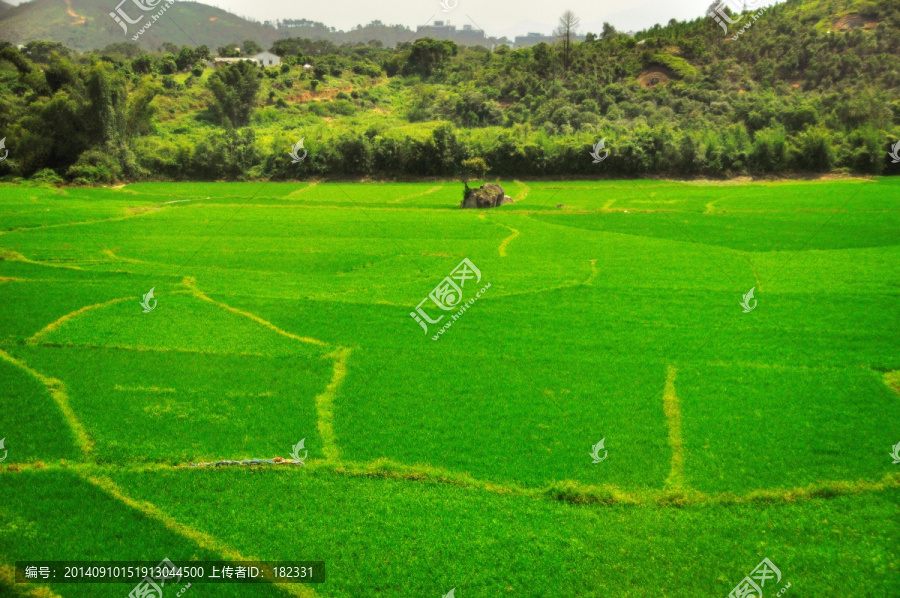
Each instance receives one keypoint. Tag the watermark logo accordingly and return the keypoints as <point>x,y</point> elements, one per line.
<point>120,17</point>
<point>717,11</point>
<point>895,455</point>
<point>295,157</point>
<point>595,452</point>
<point>448,296</point>
<point>295,452</point>
<point>148,588</point>
<point>752,585</point>
<point>6,151</point>
<point>746,302</point>
<point>146,302</point>
<point>598,147</point>
<point>448,6</point>
<point>894,153</point>
<point>449,594</point>
<point>3,458</point>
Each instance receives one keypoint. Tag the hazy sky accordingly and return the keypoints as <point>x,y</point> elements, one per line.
<point>496,17</point>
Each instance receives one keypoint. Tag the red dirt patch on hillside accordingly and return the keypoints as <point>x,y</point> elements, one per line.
<point>653,76</point>
<point>854,21</point>
<point>325,94</point>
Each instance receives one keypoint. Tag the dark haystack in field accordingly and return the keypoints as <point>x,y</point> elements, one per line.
<point>488,195</point>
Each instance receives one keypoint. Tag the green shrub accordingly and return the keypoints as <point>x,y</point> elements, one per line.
<point>94,166</point>
<point>679,66</point>
<point>168,66</point>
<point>770,150</point>
<point>812,150</point>
<point>234,88</point>
<point>863,151</point>
<point>46,176</point>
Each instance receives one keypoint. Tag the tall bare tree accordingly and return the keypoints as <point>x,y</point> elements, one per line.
<point>568,23</point>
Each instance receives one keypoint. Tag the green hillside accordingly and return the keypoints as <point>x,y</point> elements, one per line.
<point>811,87</point>
<point>85,25</point>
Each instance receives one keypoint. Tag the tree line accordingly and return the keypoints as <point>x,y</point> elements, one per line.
<point>791,96</point>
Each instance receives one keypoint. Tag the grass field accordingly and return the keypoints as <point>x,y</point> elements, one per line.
<point>613,313</point>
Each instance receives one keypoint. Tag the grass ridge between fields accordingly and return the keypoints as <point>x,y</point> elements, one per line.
<point>36,338</point>
<point>201,539</point>
<point>57,390</point>
<point>325,403</point>
<point>8,579</point>
<point>567,491</point>
<point>672,409</point>
<point>191,283</point>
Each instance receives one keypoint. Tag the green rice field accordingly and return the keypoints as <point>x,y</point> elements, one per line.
<point>457,457</point>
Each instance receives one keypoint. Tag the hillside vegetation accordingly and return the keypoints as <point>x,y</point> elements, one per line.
<point>84,25</point>
<point>811,87</point>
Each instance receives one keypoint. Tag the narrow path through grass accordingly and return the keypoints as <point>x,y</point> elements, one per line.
<point>58,391</point>
<point>672,409</point>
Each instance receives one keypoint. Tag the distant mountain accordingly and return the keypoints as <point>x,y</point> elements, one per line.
<point>86,24</point>
<point>388,35</point>
<point>4,6</point>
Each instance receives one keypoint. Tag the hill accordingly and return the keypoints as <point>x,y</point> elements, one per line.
<point>86,25</point>
<point>810,87</point>
<point>4,6</point>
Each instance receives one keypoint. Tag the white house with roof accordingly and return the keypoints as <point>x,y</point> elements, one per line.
<point>267,59</point>
<point>262,59</point>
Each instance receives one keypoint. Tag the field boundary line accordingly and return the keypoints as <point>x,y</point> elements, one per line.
<point>139,211</point>
<point>593,273</point>
<point>570,491</point>
<point>505,242</point>
<point>429,192</point>
<point>37,336</point>
<point>111,255</point>
<point>672,409</point>
<point>200,538</point>
<point>191,283</point>
<point>308,186</point>
<point>892,380</point>
<point>15,256</point>
<point>8,578</point>
<point>57,391</point>
<point>566,491</point>
<point>755,275</point>
<point>524,190</point>
<point>325,404</point>
<point>141,349</point>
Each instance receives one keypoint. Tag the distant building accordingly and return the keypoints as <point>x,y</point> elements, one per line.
<point>262,59</point>
<point>533,39</point>
<point>219,60</point>
<point>467,36</point>
<point>438,30</point>
<point>267,59</point>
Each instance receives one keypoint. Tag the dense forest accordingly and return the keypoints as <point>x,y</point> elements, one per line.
<point>810,87</point>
